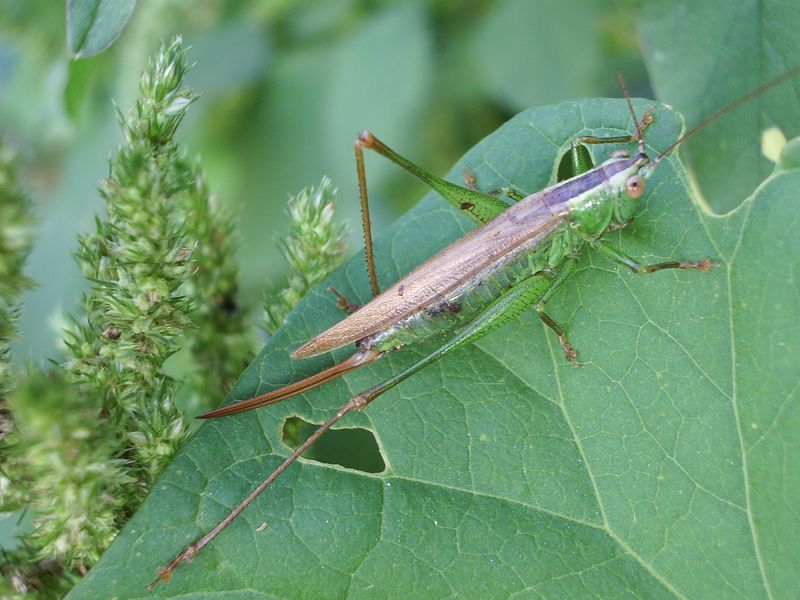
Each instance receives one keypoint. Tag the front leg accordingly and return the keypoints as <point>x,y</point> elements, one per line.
<point>646,121</point>
<point>617,255</point>
<point>569,351</point>
<point>562,274</point>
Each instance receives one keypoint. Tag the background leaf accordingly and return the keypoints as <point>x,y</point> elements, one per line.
<point>703,56</point>
<point>665,466</point>
<point>588,49</point>
<point>93,25</point>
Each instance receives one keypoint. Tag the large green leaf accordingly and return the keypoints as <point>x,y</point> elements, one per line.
<point>704,55</point>
<point>665,466</point>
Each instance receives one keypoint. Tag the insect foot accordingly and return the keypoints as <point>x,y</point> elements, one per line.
<point>569,351</point>
<point>704,265</point>
<point>165,573</point>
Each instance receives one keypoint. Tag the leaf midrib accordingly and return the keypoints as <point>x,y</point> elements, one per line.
<point>735,399</point>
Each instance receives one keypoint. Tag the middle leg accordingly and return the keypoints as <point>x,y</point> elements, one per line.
<point>567,268</point>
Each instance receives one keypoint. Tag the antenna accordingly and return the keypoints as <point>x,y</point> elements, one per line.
<point>707,121</point>
<point>639,137</point>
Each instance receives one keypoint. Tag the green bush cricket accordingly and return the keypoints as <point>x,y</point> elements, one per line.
<point>516,259</point>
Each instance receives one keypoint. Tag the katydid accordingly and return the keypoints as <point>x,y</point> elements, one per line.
<point>514,260</point>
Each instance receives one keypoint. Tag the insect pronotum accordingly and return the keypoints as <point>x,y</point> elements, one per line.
<point>516,259</point>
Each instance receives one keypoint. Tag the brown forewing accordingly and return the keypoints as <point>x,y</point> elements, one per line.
<point>523,224</point>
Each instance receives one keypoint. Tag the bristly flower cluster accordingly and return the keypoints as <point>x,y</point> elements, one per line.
<point>138,260</point>
<point>20,573</point>
<point>88,440</point>
<point>314,247</point>
<point>15,244</point>
<point>62,453</point>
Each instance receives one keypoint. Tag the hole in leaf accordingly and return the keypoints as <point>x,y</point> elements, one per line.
<point>567,167</point>
<point>353,448</point>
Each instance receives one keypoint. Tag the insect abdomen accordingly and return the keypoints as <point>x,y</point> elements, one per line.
<point>464,303</point>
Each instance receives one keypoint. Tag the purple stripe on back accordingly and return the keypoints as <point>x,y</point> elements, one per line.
<point>571,188</point>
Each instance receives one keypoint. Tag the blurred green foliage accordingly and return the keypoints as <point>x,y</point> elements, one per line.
<point>93,25</point>
<point>80,445</point>
<point>284,88</point>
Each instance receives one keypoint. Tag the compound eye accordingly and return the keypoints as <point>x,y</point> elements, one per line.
<point>635,186</point>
